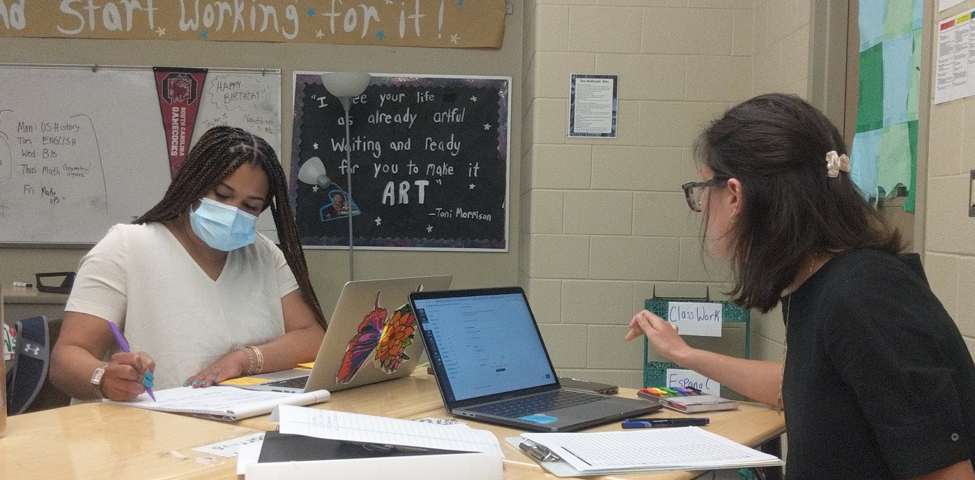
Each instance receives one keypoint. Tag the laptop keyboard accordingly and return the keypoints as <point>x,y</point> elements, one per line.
<point>297,382</point>
<point>545,402</point>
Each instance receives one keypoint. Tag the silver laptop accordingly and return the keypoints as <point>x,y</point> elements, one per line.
<point>491,364</point>
<point>355,350</point>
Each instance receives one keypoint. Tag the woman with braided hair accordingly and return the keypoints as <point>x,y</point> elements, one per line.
<point>192,283</point>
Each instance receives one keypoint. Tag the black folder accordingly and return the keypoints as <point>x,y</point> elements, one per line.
<point>281,447</point>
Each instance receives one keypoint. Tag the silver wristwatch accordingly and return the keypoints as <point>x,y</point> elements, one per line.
<point>96,378</point>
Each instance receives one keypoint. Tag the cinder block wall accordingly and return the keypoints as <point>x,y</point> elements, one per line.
<point>603,221</point>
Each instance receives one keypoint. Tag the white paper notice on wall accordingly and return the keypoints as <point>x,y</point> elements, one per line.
<point>946,4</point>
<point>702,319</point>
<point>679,377</point>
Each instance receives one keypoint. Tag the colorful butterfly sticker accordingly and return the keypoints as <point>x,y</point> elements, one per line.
<point>362,344</point>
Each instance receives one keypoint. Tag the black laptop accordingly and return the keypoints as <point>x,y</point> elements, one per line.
<point>491,364</point>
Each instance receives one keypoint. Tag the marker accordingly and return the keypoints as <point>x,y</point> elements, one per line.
<point>666,422</point>
<point>22,285</point>
<point>124,345</point>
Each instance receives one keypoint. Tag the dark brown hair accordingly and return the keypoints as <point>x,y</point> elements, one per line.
<point>776,146</point>
<point>218,153</point>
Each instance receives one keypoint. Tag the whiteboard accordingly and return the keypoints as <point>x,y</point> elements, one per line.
<point>83,148</point>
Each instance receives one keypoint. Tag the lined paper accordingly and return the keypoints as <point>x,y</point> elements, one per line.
<point>372,429</point>
<point>683,448</point>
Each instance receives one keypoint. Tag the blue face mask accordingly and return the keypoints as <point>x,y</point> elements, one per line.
<point>223,227</point>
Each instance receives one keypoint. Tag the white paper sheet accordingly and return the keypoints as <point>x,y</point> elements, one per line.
<point>367,428</point>
<point>222,403</point>
<point>231,448</point>
<point>684,448</point>
<point>248,455</point>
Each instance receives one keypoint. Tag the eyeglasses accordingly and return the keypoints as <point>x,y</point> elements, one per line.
<point>694,190</point>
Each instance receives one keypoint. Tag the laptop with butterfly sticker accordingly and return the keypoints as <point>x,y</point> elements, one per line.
<point>371,337</point>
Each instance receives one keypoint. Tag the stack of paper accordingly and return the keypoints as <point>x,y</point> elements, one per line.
<point>475,454</point>
<point>686,448</point>
<point>222,403</point>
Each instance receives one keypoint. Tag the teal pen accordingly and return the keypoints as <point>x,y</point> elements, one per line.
<point>124,345</point>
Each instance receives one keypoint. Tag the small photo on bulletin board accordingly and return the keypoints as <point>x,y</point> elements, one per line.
<point>429,159</point>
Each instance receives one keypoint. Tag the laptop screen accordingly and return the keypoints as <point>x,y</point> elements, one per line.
<point>483,344</point>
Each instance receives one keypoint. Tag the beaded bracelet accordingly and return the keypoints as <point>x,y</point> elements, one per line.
<point>250,360</point>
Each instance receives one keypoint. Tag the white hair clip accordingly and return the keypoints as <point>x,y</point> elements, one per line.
<point>836,163</point>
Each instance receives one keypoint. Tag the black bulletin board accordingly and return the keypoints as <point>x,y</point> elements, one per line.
<point>429,157</point>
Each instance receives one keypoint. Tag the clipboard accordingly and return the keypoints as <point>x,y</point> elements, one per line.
<point>561,468</point>
<point>555,465</point>
<point>655,371</point>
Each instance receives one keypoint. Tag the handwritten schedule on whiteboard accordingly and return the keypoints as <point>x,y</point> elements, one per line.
<point>429,163</point>
<point>83,149</point>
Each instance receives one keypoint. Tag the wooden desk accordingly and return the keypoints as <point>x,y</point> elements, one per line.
<point>109,441</point>
<point>100,441</point>
<point>751,425</point>
<point>20,303</point>
<point>417,397</point>
<point>412,397</point>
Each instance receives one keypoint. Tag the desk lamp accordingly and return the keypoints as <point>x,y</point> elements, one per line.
<point>312,172</point>
<point>345,86</point>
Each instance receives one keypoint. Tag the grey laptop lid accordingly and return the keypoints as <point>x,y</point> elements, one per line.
<point>485,348</point>
<point>355,350</point>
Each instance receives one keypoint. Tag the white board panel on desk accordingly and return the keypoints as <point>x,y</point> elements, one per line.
<point>84,148</point>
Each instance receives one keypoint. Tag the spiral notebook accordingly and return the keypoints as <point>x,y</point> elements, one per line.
<point>221,403</point>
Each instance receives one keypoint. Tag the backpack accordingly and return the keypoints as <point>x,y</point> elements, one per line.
<point>31,359</point>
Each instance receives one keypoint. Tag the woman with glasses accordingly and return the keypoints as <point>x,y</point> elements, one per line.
<point>876,380</point>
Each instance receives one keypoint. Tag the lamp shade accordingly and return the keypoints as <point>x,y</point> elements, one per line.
<point>312,172</point>
<point>346,84</point>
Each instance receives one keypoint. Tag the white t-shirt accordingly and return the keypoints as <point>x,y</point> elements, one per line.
<point>141,278</point>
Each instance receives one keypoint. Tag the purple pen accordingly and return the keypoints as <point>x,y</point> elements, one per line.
<point>124,346</point>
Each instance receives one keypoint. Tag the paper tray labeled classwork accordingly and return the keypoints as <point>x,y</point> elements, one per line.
<point>455,466</point>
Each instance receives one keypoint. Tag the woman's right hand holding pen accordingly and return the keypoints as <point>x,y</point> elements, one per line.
<point>661,334</point>
<point>127,376</point>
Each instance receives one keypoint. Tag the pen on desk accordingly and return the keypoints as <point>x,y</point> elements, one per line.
<point>665,422</point>
<point>124,345</point>
<point>22,285</point>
